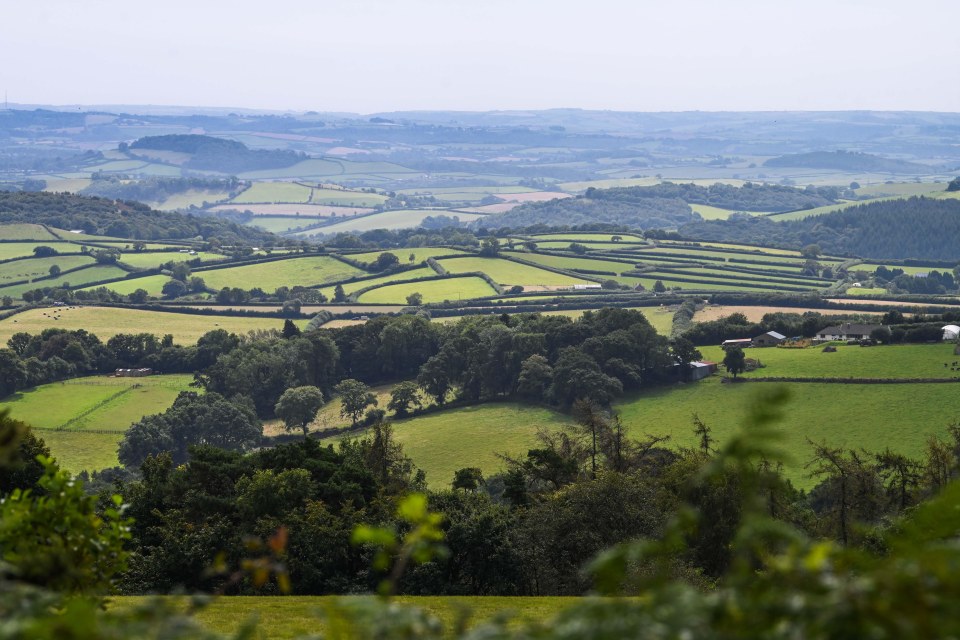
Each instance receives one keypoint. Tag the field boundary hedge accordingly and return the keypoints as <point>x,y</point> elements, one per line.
<point>852,380</point>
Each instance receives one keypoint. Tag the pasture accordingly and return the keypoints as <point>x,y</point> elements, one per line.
<point>106,322</point>
<point>393,219</point>
<point>419,254</point>
<point>74,279</point>
<point>274,192</point>
<point>190,198</point>
<point>83,419</point>
<point>343,197</point>
<point>886,361</point>
<point>298,616</point>
<point>153,285</point>
<point>306,271</point>
<point>439,290</point>
<point>571,262</point>
<point>25,231</point>
<point>351,287</point>
<point>440,443</point>
<point>865,291</point>
<point>155,259</point>
<point>755,313</point>
<point>510,273</point>
<point>39,267</point>
<point>872,416</point>
<point>294,209</point>
<point>10,250</point>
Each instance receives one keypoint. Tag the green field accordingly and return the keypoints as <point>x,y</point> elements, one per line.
<point>440,443</point>
<point>350,287</point>
<point>394,219</point>
<point>347,198</point>
<point>154,260</point>
<point>587,237</point>
<point>431,290</point>
<point>565,262</point>
<point>865,291</point>
<point>510,273</point>
<point>274,192</point>
<point>153,285</point>
<point>74,279</point>
<point>872,416</point>
<point>106,322</point>
<point>297,616</point>
<point>39,267</point>
<point>888,361</point>
<point>268,276</point>
<point>186,199</point>
<point>282,224</point>
<point>563,245</point>
<point>24,231</point>
<point>715,213</point>
<point>82,420</point>
<point>419,254</point>
<point>19,249</point>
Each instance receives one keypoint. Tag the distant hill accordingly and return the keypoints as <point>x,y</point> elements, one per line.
<point>918,227</point>
<point>120,219</point>
<point>219,154</point>
<point>846,161</point>
<point>662,206</point>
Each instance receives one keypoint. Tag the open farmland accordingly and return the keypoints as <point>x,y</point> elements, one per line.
<point>153,285</point>
<point>302,616</point>
<point>74,279</point>
<point>440,443</point>
<point>294,209</point>
<point>21,249</point>
<point>106,322</point>
<point>571,262</point>
<point>872,416</point>
<point>190,198</point>
<point>419,254</point>
<point>155,259</point>
<point>82,420</point>
<point>888,361</point>
<point>393,219</point>
<point>39,267</point>
<point>23,231</point>
<point>755,313</point>
<point>510,273</point>
<point>274,192</point>
<point>432,290</point>
<point>351,287</point>
<point>291,272</point>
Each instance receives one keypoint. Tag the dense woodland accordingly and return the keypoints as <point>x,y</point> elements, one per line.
<point>119,187</point>
<point>219,154</point>
<point>918,227</point>
<point>846,161</point>
<point>107,217</point>
<point>749,197</point>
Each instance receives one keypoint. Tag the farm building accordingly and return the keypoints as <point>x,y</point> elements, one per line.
<point>769,339</point>
<point>951,332</point>
<point>847,331</point>
<point>132,373</point>
<point>739,342</point>
<point>700,370</point>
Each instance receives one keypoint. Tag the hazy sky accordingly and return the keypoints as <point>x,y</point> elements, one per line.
<point>382,55</point>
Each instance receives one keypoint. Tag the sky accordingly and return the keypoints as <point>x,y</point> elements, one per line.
<point>367,56</point>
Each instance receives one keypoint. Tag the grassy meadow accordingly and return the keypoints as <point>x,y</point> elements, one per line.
<point>510,273</point>
<point>10,250</point>
<point>79,278</point>
<point>82,420</point>
<point>25,231</point>
<point>106,322</point>
<point>269,276</point>
<point>432,290</point>
<point>297,616</point>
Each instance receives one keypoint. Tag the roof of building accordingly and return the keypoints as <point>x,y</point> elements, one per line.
<point>737,341</point>
<point>848,328</point>
<point>774,334</point>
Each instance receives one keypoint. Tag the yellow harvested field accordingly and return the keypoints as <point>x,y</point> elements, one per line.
<point>756,313</point>
<point>106,322</point>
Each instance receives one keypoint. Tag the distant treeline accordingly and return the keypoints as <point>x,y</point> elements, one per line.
<point>749,197</point>
<point>154,189</point>
<point>219,154</point>
<point>846,161</point>
<point>661,206</point>
<point>918,227</point>
<point>119,219</point>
